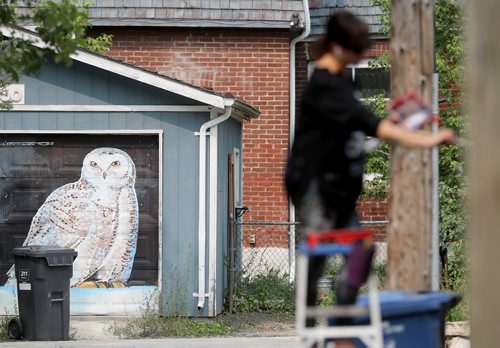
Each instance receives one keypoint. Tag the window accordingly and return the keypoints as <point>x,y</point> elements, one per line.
<point>370,81</point>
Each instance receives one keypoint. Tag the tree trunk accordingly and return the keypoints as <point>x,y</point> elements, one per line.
<point>484,167</point>
<point>410,213</point>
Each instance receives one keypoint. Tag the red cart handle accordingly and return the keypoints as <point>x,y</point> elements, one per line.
<point>342,236</point>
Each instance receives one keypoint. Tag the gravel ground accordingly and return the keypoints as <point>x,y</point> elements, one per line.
<point>262,324</point>
<point>247,325</point>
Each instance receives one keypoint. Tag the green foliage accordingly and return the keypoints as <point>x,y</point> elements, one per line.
<point>380,271</point>
<point>61,24</point>
<point>385,17</point>
<point>7,13</point>
<point>449,18</point>
<point>150,325</point>
<point>271,292</point>
<point>101,44</point>
<point>377,162</point>
<point>326,299</point>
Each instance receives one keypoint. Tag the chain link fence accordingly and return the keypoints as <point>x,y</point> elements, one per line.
<point>263,249</point>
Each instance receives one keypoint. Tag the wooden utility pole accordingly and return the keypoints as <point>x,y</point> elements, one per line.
<point>410,213</point>
<point>484,170</point>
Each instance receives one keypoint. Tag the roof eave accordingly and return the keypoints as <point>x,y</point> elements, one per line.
<point>245,111</point>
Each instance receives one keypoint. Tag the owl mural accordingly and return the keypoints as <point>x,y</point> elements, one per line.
<point>98,216</point>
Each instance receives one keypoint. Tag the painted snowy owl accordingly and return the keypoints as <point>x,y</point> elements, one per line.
<point>97,215</point>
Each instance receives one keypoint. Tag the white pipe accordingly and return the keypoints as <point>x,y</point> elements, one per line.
<point>202,199</point>
<point>291,207</point>
<point>212,223</point>
<point>435,192</point>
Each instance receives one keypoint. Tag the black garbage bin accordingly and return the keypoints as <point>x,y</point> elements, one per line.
<point>43,275</point>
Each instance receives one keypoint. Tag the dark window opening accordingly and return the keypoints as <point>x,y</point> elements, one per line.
<point>371,81</point>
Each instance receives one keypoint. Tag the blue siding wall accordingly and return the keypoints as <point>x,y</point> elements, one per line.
<point>81,84</point>
<point>87,85</point>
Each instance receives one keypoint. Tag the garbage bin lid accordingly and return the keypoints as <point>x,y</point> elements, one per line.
<point>55,255</point>
<point>393,303</point>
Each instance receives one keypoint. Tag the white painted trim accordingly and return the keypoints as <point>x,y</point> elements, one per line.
<point>237,177</point>
<point>212,221</point>
<point>160,221</point>
<point>362,64</point>
<point>19,34</point>
<point>109,108</point>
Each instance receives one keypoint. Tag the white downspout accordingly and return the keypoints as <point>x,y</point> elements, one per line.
<point>291,207</point>
<point>212,222</point>
<point>202,199</point>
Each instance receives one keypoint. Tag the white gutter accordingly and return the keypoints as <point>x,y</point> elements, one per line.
<point>291,207</point>
<point>202,205</point>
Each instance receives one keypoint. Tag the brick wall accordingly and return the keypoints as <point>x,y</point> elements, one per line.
<point>253,64</point>
<point>377,48</point>
<point>374,210</point>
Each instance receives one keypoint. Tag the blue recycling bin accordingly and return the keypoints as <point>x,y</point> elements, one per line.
<point>412,319</point>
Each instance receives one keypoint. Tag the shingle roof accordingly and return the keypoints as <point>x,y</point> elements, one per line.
<point>320,10</point>
<point>222,13</point>
<point>216,13</point>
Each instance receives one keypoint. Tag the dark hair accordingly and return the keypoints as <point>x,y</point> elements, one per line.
<point>347,30</point>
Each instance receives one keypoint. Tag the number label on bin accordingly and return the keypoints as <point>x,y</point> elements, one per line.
<point>24,275</point>
<point>25,286</point>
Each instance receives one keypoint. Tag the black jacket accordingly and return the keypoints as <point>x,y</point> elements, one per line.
<point>329,142</point>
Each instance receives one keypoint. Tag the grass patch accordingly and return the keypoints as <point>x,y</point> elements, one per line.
<point>269,293</point>
<point>461,312</point>
<point>153,326</point>
<point>236,324</point>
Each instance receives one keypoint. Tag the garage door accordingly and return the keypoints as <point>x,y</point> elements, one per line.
<point>33,166</point>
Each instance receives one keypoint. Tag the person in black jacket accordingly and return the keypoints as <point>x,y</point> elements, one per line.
<point>325,168</point>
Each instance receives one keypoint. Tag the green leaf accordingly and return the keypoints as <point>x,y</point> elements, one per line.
<point>61,24</point>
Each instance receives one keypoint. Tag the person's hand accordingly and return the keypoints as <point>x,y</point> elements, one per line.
<point>446,136</point>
